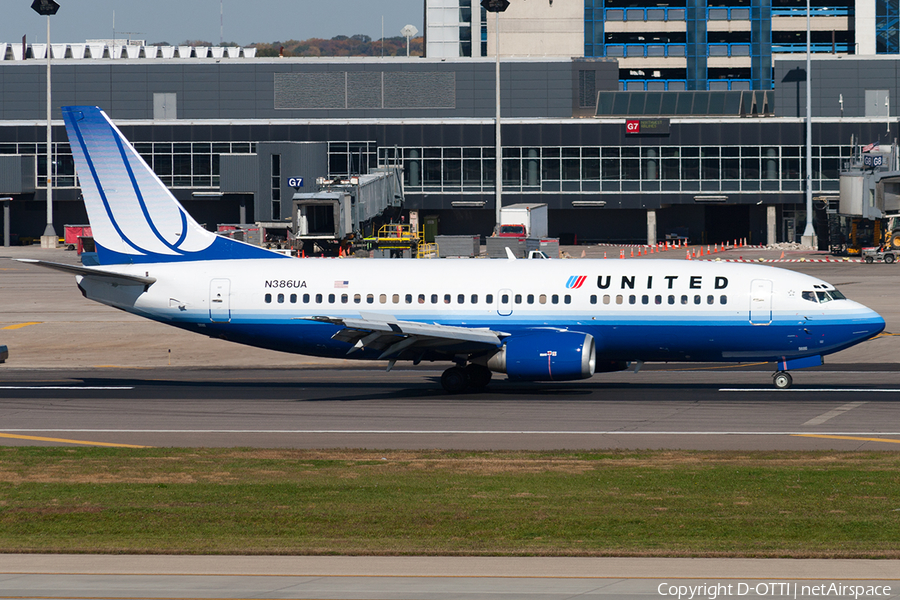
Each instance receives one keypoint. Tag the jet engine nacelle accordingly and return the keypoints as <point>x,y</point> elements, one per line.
<point>546,356</point>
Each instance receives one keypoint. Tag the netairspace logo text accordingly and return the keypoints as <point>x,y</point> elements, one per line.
<point>773,589</point>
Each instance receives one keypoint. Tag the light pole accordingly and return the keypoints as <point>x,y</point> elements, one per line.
<point>497,7</point>
<point>809,234</point>
<point>49,239</point>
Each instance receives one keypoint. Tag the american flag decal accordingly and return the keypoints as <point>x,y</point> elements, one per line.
<point>575,282</point>
<point>341,284</point>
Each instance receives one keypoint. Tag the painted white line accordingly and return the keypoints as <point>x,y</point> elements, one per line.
<point>819,390</point>
<point>833,413</point>
<point>63,387</point>
<point>449,432</point>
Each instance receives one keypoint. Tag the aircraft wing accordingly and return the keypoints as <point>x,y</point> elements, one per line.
<point>392,336</point>
<point>107,276</point>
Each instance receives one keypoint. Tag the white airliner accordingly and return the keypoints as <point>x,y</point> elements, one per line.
<point>535,320</point>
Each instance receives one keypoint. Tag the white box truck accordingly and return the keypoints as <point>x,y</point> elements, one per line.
<point>523,221</point>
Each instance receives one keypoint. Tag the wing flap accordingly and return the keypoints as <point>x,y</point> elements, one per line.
<point>392,336</point>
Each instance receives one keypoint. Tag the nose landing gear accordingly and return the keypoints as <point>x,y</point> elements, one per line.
<point>782,380</point>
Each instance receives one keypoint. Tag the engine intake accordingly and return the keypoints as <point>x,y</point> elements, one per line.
<point>546,356</point>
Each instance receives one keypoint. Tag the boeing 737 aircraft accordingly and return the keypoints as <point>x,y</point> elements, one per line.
<point>535,320</point>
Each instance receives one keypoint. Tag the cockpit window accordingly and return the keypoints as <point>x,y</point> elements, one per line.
<point>821,297</point>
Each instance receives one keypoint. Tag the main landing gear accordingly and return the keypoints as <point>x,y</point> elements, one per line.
<point>470,377</point>
<point>782,380</point>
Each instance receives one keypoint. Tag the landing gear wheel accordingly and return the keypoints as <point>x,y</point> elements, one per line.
<point>782,380</point>
<point>478,376</point>
<point>454,380</point>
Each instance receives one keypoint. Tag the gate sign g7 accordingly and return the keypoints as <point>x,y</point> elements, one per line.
<point>295,182</point>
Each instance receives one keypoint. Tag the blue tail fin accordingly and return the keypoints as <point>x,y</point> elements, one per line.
<point>134,217</point>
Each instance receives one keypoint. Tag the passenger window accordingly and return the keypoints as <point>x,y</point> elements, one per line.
<point>658,299</point>
<point>447,299</point>
<point>395,298</point>
<point>489,298</point>
<point>567,299</point>
<point>421,298</point>
<point>697,299</point>
<point>461,299</point>
<point>474,299</point>
<point>710,299</point>
<point>543,299</point>
<point>554,299</point>
<point>370,299</point>
<point>280,298</point>
<point>382,298</point>
<point>357,298</point>
<point>504,299</point>
<point>268,298</point>
<point>645,299</point>
<point>619,299</point>
<point>671,299</point>
<point>293,298</point>
<point>409,298</point>
<point>330,298</point>
<point>593,299</point>
<point>684,299</point>
<point>530,299</point>
<point>434,298</point>
<point>723,299</point>
<point>345,298</point>
<point>518,298</point>
<point>305,298</point>
<point>318,298</point>
<point>632,299</point>
<point>606,299</point>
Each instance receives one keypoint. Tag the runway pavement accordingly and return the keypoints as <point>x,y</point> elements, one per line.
<point>707,408</point>
<point>438,578</point>
<point>123,379</point>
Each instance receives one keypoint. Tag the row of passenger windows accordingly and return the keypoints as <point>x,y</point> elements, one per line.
<point>658,299</point>
<point>488,299</point>
<point>420,298</point>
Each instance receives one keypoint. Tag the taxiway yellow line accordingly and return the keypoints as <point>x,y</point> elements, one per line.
<point>34,438</point>
<point>21,325</point>
<point>847,437</point>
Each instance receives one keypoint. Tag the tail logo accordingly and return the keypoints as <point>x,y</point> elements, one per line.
<point>575,281</point>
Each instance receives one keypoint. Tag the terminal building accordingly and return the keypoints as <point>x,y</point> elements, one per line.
<point>226,131</point>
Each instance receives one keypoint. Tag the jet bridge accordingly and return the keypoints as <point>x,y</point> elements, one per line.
<point>869,202</point>
<point>342,212</point>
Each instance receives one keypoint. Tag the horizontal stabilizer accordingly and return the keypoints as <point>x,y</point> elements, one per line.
<point>93,272</point>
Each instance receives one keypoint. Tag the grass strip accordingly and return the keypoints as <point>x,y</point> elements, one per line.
<point>647,503</point>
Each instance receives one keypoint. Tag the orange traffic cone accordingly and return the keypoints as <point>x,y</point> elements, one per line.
<point>782,254</point>
<point>621,252</point>
<point>583,254</point>
<point>688,257</point>
<point>604,255</point>
<point>632,253</point>
<point>701,250</point>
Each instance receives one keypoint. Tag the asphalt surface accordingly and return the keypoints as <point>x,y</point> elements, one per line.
<point>334,407</point>
<point>437,578</point>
